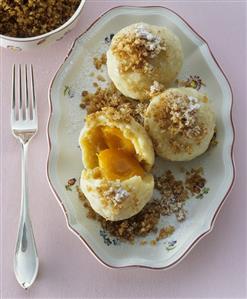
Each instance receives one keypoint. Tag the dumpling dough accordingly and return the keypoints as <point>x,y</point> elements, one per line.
<point>117,154</point>
<point>181,123</point>
<point>144,59</point>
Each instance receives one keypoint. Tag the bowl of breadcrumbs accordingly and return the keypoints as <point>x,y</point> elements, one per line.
<point>26,24</point>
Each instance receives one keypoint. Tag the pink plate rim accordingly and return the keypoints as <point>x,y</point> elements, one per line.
<point>232,146</point>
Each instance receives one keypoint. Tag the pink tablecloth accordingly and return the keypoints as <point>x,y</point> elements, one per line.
<point>216,267</point>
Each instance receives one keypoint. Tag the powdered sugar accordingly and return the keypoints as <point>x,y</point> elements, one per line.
<point>121,194</point>
<point>183,112</point>
<point>142,32</point>
<point>118,195</point>
<point>156,87</point>
<point>153,41</point>
<point>193,103</point>
<point>192,107</point>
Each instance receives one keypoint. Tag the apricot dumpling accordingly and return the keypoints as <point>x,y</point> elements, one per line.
<point>117,155</point>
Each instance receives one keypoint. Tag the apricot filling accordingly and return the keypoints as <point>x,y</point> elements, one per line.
<point>117,164</point>
<point>115,155</point>
<point>114,139</point>
<point>93,143</point>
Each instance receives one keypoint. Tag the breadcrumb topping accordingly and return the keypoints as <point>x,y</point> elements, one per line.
<point>156,88</point>
<point>136,48</point>
<point>111,97</point>
<point>111,114</point>
<point>176,114</point>
<point>173,196</point>
<point>117,194</point>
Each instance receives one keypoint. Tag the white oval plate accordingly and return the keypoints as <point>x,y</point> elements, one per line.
<point>66,121</point>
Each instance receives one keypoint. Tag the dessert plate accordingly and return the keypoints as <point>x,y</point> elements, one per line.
<point>66,120</point>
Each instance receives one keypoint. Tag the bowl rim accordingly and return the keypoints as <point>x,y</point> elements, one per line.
<point>47,34</point>
<point>57,197</point>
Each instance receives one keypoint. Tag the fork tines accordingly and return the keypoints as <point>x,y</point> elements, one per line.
<point>23,95</point>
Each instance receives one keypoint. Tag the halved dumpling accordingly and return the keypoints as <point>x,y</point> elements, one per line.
<point>117,155</point>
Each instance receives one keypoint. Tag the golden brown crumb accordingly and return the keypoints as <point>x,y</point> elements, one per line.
<point>138,225</point>
<point>99,61</point>
<point>135,49</point>
<point>113,195</point>
<point>156,88</point>
<point>153,242</point>
<point>71,182</point>
<point>111,97</point>
<point>194,181</point>
<point>90,212</point>
<point>84,93</point>
<point>174,194</point>
<point>143,242</point>
<point>101,78</point>
<point>165,232</point>
<point>116,115</point>
<point>178,147</point>
<point>95,84</point>
<point>111,114</point>
<point>34,17</point>
<point>176,114</point>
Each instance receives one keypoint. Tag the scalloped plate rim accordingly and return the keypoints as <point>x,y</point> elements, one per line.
<point>210,225</point>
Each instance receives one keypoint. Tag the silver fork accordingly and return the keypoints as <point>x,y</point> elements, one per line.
<point>24,125</point>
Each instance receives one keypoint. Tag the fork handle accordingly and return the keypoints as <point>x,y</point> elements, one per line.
<point>24,179</point>
<point>26,261</point>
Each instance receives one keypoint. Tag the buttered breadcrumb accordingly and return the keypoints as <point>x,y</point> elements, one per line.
<point>141,55</point>
<point>177,114</point>
<point>181,123</point>
<point>136,48</point>
<point>99,61</point>
<point>111,97</point>
<point>174,194</point>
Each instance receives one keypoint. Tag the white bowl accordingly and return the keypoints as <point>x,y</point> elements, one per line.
<point>27,43</point>
<point>67,119</point>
